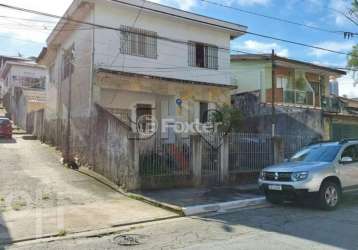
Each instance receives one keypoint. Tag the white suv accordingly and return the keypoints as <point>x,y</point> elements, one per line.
<point>325,170</point>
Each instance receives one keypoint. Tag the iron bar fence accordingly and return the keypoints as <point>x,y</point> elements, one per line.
<point>163,157</point>
<point>249,152</point>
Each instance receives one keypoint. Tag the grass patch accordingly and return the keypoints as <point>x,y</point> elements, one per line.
<point>18,205</point>
<point>46,197</point>
<point>62,233</point>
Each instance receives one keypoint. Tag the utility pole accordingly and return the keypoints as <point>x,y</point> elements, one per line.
<point>67,157</point>
<point>273,95</point>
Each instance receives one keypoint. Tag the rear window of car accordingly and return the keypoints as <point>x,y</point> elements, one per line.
<point>4,121</point>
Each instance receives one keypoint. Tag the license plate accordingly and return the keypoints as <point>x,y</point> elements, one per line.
<point>275,187</point>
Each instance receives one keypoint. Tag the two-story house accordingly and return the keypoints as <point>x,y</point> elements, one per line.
<point>135,57</point>
<point>298,90</point>
<point>24,89</point>
<point>3,60</point>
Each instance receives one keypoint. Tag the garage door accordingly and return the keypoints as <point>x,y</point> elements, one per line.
<point>341,131</point>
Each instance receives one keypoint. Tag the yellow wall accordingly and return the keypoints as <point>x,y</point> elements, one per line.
<point>155,89</point>
<point>34,106</point>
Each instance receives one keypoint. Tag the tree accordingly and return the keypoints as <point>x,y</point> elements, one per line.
<point>353,58</point>
<point>229,118</point>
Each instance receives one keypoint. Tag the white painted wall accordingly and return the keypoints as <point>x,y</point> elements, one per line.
<point>58,89</point>
<point>21,71</point>
<point>170,54</point>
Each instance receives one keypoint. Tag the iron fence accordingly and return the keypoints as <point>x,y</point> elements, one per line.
<point>162,157</point>
<point>211,158</point>
<point>294,143</point>
<point>249,152</point>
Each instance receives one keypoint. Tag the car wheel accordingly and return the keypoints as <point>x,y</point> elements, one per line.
<point>274,198</point>
<point>329,195</point>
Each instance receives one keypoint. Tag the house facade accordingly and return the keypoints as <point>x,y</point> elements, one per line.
<point>341,117</point>
<point>141,58</point>
<point>298,90</point>
<point>3,60</point>
<point>19,77</point>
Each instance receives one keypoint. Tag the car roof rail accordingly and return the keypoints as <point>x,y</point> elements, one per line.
<point>320,142</point>
<point>346,140</point>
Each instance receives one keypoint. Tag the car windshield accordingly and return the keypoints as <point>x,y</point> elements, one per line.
<point>317,153</point>
<point>4,121</point>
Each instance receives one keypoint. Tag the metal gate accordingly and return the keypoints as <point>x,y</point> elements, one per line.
<point>342,131</point>
<point>211,160</point>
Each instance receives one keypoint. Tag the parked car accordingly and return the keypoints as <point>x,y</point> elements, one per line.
<point>325,170</point>
<point>5,128</point>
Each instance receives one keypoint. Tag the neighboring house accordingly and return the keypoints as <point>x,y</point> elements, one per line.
<point>154,60</point>
<point>3,60</point>
<point>17,76</point>
<point>300,89</point>
<point>341,117</point>
<point>27,101</point>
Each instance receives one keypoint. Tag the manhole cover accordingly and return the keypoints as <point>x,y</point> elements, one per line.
<point>130,239</point>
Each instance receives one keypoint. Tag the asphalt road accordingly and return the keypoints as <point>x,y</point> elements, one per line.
<point>284,227</point>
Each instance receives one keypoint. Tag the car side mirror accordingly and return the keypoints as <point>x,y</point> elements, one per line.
<point>346,160</point>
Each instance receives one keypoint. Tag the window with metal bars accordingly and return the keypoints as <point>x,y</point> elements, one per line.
<point>138,42</point>
<point>67,65</point>
<point>203,55</point>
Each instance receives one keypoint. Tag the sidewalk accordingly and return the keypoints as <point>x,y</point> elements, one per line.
<point>39,197</point>
<point>194,201</point>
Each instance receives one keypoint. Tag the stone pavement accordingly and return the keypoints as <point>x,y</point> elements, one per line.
<point>278,227</point>
<point>39,197</point>
<point>194,201</point>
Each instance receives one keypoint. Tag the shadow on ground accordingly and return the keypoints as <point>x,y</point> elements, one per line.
<point>7,141</point>
<point>5,237</point>
<point>336,228</point>
<point>185,197</point>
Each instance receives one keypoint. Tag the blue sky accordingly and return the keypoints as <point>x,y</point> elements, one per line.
<point>15,39</point>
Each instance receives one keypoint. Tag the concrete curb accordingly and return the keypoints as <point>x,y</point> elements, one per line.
<point>182,211</point>
<point>224,206</point>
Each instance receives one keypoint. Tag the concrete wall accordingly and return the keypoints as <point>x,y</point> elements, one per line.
<point>170,54</point>
<point>290,120</point>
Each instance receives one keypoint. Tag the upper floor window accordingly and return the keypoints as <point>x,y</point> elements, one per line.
<point>138,42</point>
<point>67,64</point>
<point>281,82</point>
<point>203,55</point>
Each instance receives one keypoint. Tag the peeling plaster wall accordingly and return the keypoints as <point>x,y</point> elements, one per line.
<point>290,120</point>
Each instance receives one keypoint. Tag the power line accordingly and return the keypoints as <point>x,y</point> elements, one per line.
<point>277,18</point>
<point>166,38</point>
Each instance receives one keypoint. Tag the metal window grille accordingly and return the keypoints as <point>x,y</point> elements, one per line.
<point>139,42</point>
<point>209,59</point>
<point>67,66</point>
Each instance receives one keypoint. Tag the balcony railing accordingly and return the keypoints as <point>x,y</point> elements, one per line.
<point>292,96</point>
<point>331,104</point>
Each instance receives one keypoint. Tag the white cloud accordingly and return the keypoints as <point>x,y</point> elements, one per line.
<point>331,45</point>
<point>340,6</point>
<point>347,86</point>
<point>253,46</point>
<point>247,2</point>
<point>31,31</point>
<point>182,4</point>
